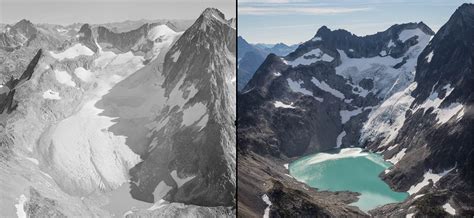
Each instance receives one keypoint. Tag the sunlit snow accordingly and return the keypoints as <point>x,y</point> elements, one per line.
<point>72,52</point>
<point>50,94</point>
<point>308,58</point>
<point>63,77</point>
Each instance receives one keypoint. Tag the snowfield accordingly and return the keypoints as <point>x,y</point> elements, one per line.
<point>72,52</point>
<point>325,87</point>
<point>308,58</point>
<point>435,177</point>
<point>295,86</point>
<point>267,201</point>
<point>83,74</point>
<point>278,104</point>
<point>50,94</point>
<point>63,77</point>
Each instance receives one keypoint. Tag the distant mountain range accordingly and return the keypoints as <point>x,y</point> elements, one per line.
<point>250,56</point>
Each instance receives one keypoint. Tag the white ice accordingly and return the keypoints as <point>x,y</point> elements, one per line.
<point>295,86</point>
<point>180,181</point>
<point>325,87</point>
<point>398,156</point>
<point>282,105</point>
<point>50,94</point>
<point>83,74</point>
<point>346,115</point>
<point>435,177</point>
<point>267,201</point>
<point>305,60</point>
<point>72,52</point>
<point>63,77</point>
<point>449,209</point>
<point>339,139</point>
<point>20,211</point>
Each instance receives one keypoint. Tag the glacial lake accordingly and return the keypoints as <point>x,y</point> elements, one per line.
<point>348,169</point>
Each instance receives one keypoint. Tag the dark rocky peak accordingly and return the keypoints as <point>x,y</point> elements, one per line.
<point>379,44</point>
<point>213,13</point>
<point>211,18</point>
<point>264,75</point>
<point>26,28</point>
<point>447,60</point>
<point>280,46</point>
<point>86,37</point>
<point>208,38</point>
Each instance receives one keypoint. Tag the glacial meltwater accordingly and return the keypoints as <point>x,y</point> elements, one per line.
<point>348,169</point>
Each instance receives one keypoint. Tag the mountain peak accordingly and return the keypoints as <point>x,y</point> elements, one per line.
<point>213,13</point>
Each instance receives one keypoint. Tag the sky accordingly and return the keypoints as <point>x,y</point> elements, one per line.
<point>295,21</point>
<point>104,11</point>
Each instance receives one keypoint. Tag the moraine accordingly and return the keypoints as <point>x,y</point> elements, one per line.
<point>348,169</point>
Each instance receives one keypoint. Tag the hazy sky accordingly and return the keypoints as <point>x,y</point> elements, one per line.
<point>103,11</point>
<point>293,21</point>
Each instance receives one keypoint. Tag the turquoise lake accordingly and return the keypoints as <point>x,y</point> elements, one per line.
<point>348,169</point>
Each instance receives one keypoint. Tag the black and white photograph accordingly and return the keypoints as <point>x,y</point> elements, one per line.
<point>117,108</point>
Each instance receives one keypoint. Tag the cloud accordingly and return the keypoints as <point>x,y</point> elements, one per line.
<point>298,10</point>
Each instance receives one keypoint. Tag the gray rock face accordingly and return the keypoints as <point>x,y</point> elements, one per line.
<point>201,60</point>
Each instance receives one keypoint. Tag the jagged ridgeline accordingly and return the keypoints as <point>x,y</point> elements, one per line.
<point>120,119</point>
<point>405,93</point>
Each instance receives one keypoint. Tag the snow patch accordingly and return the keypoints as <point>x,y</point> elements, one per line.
<point>325,87</point>
<point>429,56</point>
<point>295,86</point>
<point>346,115</point>
<point>180,181</point>
<point>73,52</point>
<point>267,201</point>
<point>435,177</point>
<point>310,57</point>
<point>445,114</point>
<point>63,77</point>
<point>159,31</point>
<point>83,74</point>
<point>50,94</point>
<point>449,209</point>
<point>316,38</point>
<point>283,105</point>
<point>175,56</point>
<point>277,74</point>
<point>398,156</point>
<point>20,207</point>
<point>339,139</point>
<point>407,34</point>
<point>286,166</point>
<point>193,113</point>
